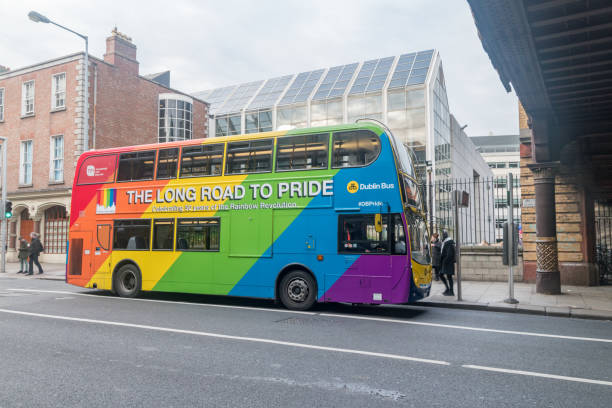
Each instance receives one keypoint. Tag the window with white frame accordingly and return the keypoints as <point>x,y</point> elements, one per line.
<point>58,91</point>
<point>27,98</point>
<point>56,170</point>
<point>1,104</point>
<point>175,117</point>
<point>25,165</point>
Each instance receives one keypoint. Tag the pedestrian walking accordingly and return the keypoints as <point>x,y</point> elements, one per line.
<point>436,252</point>
<point>36,247</point>
<point>447,262</point>
<point>23,253</point>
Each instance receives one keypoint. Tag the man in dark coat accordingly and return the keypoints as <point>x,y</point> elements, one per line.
<point>436,251</point>
<point>36,248</point>
<point>447,262</point>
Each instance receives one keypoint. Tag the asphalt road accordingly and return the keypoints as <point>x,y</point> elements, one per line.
<point>67,346</point>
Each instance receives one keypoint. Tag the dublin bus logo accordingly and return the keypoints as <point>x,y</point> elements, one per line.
<point>352,187</point>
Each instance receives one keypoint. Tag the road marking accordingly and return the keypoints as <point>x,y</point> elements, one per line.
<point>543,375</point>
<point>342,316</point>
<point>65,292</point>
<point>230,337</point>
<point>482,329</point>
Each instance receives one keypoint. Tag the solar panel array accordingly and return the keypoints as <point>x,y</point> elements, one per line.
<point>411,69</point>
<point>372,75</point>
<point>215,97</point>
<point>269,93</point>
<point>335,82</point>
<point>302,87</point>
<point>240,97</point>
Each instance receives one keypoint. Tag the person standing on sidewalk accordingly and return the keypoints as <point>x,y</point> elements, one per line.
<point>24,251</point>
<point>436,251</point>
<point>36,248</point>
<point>447,261</point>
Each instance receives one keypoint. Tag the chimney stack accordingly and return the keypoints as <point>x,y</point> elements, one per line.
<point>121,52</point>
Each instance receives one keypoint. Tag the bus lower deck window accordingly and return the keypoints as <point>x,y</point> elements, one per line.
<point>197,234</point>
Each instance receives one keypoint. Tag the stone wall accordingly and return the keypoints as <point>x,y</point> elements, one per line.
<point>574,216</point>
<point>484,263</point>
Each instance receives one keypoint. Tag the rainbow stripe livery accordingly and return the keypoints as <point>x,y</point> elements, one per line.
<point>347,224</point>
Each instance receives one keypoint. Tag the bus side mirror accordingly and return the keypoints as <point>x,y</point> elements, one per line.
<point>378,222</point>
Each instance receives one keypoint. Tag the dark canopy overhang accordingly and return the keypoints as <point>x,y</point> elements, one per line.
<point>557,55</point>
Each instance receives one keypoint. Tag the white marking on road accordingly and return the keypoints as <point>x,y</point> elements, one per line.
<point>482,329</point>
<point>230,337</point>
<point>535,374</point>
<point>64,292</point>
<point>341,316</point>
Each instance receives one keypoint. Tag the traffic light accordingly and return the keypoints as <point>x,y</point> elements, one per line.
<point>8,209</point>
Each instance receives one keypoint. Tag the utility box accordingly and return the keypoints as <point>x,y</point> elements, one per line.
<point>510,233</point>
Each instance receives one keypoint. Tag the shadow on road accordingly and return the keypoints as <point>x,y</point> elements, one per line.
<point>391,311</point>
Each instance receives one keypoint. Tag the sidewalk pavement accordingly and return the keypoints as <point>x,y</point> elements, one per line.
<point>588,302</point>
<point>51,271</point>
<point>594,302</point>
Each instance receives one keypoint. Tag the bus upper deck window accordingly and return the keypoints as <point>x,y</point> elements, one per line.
<point>252,156</point>
<point>355,148</point>
<point>136,166</point>
<point>167,161</point>
<point>202,160</point>
<point>302,152</point>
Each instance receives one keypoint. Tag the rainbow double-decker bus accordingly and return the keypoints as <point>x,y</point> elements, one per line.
<point>329,214</point>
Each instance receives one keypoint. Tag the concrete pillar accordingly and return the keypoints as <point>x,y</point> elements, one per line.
<point>37,225</point>
<point>548,278</point>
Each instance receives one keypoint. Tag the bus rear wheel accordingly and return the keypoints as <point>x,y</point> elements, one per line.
<point>127,281</point>
<point>298,290</point>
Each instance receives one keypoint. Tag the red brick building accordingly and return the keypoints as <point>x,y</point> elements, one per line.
<point>42,115</point>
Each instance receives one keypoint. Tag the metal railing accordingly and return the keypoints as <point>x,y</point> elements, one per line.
<point>481,222</point>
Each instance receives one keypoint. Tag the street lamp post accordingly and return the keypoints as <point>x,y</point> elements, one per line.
<point>39,18</point>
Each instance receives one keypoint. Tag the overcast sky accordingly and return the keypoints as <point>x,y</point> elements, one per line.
<point>212,43</point>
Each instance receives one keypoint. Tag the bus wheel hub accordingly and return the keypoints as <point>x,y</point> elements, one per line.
<point>298,290</point>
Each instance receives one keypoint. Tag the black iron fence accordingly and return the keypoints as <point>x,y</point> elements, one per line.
<point>481,222</point>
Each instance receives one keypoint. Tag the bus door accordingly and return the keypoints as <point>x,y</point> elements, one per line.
<point>80,256</point>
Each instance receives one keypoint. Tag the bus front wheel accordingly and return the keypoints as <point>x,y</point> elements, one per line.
<point>127,281</point>
<point>298,290</point>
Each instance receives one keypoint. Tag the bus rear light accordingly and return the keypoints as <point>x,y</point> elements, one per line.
<point>319,257</point>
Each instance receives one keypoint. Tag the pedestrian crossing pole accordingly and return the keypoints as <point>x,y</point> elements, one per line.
<point>3,235</point>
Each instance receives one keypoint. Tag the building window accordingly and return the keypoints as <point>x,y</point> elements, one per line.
<point>513,165</point>
<point>27,98</point>
<point>228,125</point>
<point>1,104</point>
<point>56,171</point>
<point>175,117</point>
<point>58,91</point>
<point>197,234</point>
<point>25,165</point>
<point>56,230</point>
<point>259,121</point>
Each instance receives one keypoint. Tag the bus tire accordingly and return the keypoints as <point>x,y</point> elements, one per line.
<point>298,290</point>
<point>127,281</point>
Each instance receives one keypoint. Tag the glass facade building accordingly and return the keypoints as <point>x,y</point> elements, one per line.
<point>406,92</point>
